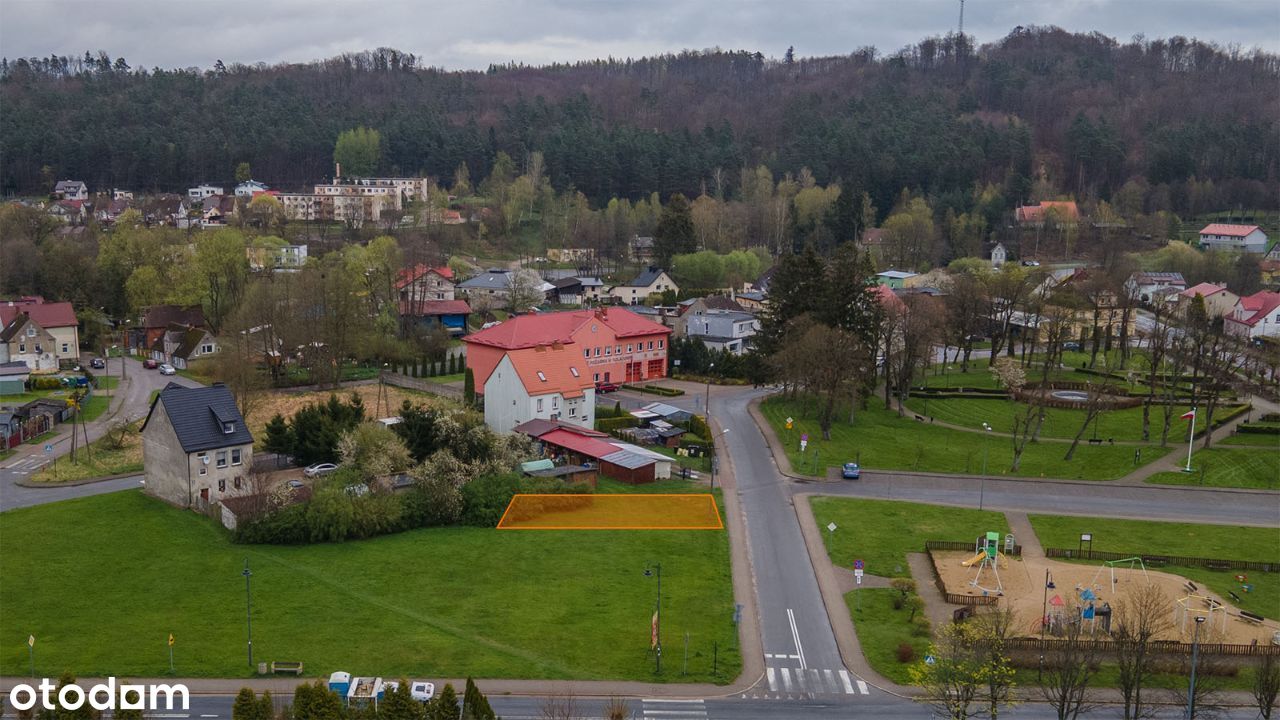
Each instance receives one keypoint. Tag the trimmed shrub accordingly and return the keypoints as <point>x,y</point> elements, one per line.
<point>906,653</point>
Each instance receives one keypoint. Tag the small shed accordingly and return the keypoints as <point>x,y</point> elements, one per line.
<point>585,474</point>
<point>13,377</point>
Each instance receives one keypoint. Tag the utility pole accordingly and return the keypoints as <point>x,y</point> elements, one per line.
<point>248,609</point>
<point>961,17</point>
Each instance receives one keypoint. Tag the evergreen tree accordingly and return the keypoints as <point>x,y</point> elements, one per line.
<point>444,706</point>
<point>245,706</point>
<point>279,439</point>
<point>400,705</point>
<point>475,705</point>
<point>469,388</point>
<point>797,288</point>
<point>266,706</point>
<point>675,233</point>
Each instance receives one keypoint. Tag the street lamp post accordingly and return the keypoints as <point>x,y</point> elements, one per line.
<point>1195,660</point>
<point>248,609</point>
<point>986,447</point>
<point>715,457</point>
<point>657,617</point>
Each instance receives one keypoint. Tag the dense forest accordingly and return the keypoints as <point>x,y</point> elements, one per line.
<point>1040,112</point>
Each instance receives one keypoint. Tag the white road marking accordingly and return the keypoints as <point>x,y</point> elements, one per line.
<point>795,635</point>
<point>675,713</point>
<point>862,687</point>
<point>848,686</point>
<point>208,716</point>
<point>831,681</point>
<point>815,681</point>
<point>786,679</point>
<point>773,679</point>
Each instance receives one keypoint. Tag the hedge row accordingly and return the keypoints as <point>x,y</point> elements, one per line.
<point>654,390</point>
<point>1255,429</point>
<point>611,424</point>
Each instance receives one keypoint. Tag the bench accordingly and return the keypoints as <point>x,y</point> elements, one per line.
<point>1095,441</point>
<point>1251,618</point>
<point>1218,565</point>
<point>1234,597</point>
<point>1191,587</point>
<point>286,667</point>
<point>920,418</point>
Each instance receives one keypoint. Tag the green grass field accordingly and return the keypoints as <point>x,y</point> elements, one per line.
<point>1210,541</point>
<point>881,629</point>
<point>1122,425</point>
<point>882,532</point>
<point>883,440</point>
<point>444,601</point>
<point>1236,467</point>
<point>100,461</point>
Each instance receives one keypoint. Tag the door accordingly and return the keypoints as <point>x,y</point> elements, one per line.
<point>606,376</point>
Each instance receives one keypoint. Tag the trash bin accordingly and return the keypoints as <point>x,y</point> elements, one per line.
<point>262,668</point>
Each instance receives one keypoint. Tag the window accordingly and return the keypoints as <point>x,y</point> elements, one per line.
<point>222,486</point>
<point>237,482</point>
<point>64,348</point>
<point>661,344</point>
<point>22,347</point>
<point>629,348</point>
<point>617,350</point>
<point>31,331</point>
<point>597,351</point>
<point>573,412</point>
<point>228,427</point>
<point>206,348</point>
<point>586,353</point>
<point>573,371</point>
<point>555,402</point>
<point>650,344</point>
<point>606,350</point>
<point>222,458</point>
<point>235,457</point>
<point>542,376</point>
<point>597,377</point>
<point>539,404</point>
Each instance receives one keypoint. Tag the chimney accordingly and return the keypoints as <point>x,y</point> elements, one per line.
<point>557,345</point>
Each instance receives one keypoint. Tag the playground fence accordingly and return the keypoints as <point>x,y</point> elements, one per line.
<point>950,597</point>
<point>1163,647</point>
<point>966,547</point>
<point>1152,561</point>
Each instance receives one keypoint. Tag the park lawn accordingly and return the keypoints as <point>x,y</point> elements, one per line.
<point>101,461</point>
<point>882,532</point>
<point>881,629</point>
<point>1227,542</point>
<point>94,408</point>
<point>107,382</point>
<point>1233,467</point>
<point>883,440</point>
<point>444,379</point>
<point>437,602</point>
<point>1123,425</point>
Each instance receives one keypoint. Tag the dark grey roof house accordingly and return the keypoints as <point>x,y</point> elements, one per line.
<point>196,448</point>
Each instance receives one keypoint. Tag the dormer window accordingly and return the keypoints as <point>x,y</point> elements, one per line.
<point>228,428</point>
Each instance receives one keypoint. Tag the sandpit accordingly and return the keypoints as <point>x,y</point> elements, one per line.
<point>1023,583</point>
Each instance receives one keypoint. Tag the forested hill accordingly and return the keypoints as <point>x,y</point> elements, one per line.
<point>1084,112</point>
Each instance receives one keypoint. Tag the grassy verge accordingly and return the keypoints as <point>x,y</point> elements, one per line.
<point>433,602</point>
<point>882,532</point>
<point>1235,467</point>
<point>99,461</point>
<point>1212,541</point>
<point>95,407</point>
<point>701,464</point>
<point>1124,425</point>
<point>880,439</point>
<point>881,629</point>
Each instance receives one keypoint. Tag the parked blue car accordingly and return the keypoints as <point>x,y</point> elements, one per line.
<point>851,471</point>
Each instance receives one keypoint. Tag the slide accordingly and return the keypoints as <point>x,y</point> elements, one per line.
<point>975,559</point>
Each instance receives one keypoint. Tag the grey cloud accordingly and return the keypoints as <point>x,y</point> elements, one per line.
<point>472,35</point>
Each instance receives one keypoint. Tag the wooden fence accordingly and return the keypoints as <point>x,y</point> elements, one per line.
<point>1161,647</point>
<point>404,381</point>
<point>1151,560</point>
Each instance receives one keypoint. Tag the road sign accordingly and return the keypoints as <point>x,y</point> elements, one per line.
<point>804,437</point>
<point>858,574</point>
<point>858,565</point>
<point>928,660</point>
<point>48,449</point>
<point>170,639</point>
<point>857,579</point>
<point>831,527</point>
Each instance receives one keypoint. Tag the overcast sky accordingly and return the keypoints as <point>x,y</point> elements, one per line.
<point>473,33</point>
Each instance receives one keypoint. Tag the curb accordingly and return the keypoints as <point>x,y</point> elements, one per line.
<point>73,483</point>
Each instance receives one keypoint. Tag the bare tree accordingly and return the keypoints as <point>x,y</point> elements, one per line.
<point>992,632</point>
<point>1138,620</point>
<point>1094,404</point>
<point>1201,699</point>
<point>1266,685</point>
<point>560,707</point>
<point>618,709</point>
<point>1070,664</point>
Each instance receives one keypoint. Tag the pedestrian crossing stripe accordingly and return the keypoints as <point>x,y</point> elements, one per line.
<point>813,681</point>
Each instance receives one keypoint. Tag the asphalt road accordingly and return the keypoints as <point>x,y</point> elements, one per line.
<point>134,405</point>
<point>218,707</point>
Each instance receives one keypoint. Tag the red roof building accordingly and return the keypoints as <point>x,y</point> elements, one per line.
<point>611,344</point>
<point>55,323</point>
<point>545,382</point>
<point>1065,210</point>
<point>1257,315</point>
<point>424,282</point>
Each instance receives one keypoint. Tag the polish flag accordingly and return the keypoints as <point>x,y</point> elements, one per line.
<point>1188,416</point>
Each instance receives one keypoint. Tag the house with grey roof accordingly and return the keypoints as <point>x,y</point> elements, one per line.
<point>71,190</point>
<point>653,280</point>
<point>723,329</point>
<point>196,448</point>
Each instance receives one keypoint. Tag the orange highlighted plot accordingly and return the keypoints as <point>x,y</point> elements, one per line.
<point>612,512</point>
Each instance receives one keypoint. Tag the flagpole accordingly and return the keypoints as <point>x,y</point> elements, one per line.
<point>1191,438</point>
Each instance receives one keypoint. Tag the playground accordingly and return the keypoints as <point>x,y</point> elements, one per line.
<point>1065,592</point>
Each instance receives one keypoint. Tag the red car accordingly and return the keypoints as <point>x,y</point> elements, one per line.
<point>606,387</point>
<point>150,364</point>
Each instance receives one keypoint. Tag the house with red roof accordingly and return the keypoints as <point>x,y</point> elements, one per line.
<point>543,382</point>
<point>614,345</point>
<point>425,282</point>
<point>1034,215</point>
<point>1227,236</point>
<point>38,333</point>
<point>1255,316</point>
<point>1218,301</point>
